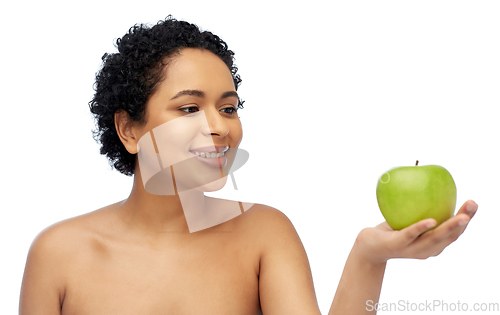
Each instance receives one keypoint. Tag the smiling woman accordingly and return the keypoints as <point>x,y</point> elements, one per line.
<point>166,108</point>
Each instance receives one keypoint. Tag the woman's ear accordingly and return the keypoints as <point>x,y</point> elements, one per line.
<point>127,131</point>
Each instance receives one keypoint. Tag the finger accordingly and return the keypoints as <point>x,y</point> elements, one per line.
<point>443,235</point>
<point>459,220</point>
<point>469,208</point>
<point>410,233</point>
<point>436,248</point>
<point>455,225</point>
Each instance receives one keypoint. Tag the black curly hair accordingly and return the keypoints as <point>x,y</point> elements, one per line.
<point>128,78</point>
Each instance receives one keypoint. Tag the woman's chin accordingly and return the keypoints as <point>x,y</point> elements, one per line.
<point>213,186</point>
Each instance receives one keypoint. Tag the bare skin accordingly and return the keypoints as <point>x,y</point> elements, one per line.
<point>138,257</point>
<point>107,269</point>
<point>94,264</point>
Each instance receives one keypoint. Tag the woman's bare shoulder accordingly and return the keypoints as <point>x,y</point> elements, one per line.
<point>51,259</point>
<point>68,235</point>
<point>260,212</point>
<point>265,220</point>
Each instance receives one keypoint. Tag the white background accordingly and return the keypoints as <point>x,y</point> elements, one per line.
<point>336,94</point>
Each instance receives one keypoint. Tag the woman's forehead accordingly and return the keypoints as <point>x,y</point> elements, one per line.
<point>197,69</point>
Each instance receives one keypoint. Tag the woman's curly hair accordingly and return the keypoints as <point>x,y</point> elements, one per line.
<point>128,78</point>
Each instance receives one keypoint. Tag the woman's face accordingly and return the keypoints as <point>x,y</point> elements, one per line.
<point>192,118</point>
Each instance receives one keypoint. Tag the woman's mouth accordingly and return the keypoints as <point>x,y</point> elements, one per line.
<point>208,155</point>
<point>211,157</point>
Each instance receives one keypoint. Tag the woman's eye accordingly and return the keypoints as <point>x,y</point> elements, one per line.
<point>190,109</point>
<point>229,110</point>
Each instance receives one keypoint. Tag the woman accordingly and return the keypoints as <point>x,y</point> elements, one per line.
<point>166,107</point>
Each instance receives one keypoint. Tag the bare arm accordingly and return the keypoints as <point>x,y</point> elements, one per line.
<point>285,280</point>
<point>42,289</point>
<point>361,281</point>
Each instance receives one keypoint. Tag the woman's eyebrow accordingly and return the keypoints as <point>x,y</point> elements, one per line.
<point>230,94</point>
<point>197,93</point>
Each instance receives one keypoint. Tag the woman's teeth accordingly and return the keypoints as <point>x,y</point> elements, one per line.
<point>209,155</point>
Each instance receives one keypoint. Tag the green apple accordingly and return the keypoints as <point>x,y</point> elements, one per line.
<point>407,195</point>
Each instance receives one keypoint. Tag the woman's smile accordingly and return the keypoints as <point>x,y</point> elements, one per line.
<point>211,156</point>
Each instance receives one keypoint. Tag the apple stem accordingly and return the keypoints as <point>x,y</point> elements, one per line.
<point>416,164</point>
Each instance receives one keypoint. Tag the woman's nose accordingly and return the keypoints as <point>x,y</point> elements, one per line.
<point>216,126</point>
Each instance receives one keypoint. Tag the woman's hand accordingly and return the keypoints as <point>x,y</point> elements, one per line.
<point>364,270</point>
<point>380,243</point>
